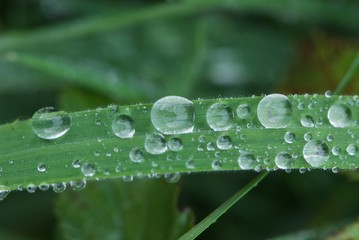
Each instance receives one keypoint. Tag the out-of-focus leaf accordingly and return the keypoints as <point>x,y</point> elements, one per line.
<point>349,232</point>
<point>115,210</point>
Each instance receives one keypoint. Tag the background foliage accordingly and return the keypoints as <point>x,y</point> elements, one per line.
<point>84,54</point>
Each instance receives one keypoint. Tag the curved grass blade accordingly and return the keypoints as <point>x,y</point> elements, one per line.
<point>348,75</point>
<point>212,218</point>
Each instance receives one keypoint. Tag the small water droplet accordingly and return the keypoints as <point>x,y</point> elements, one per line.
<point>41,168</point>
<point>216,165</point>
<point>247,161</point>
<point>123,126</point>
<point>173,115</point>
<point>190,164</point>
<point>219,116</point>
<point>289,137</point>
<point>316,153</point>
<point>127,178</point>
<point>352,149</point>
<point>336,150</point>
<point>307,121</point>
<point>112,108</point>
<point>172,177</point>
<point>155,143</point>
<point>44,186</point>
<point>224,142</point>
<point>274,111</point>
<point>58,187</point>
<point>330,137</point>
<point>78,185</point>
<point>76,163</point>
<point>136,155</point>
<point>175,144</point>
<point>211,146</point>
<point>88,169</point>
<point>328,94</point>
<point>308,137</point>
<point>335,169</point>
<point>339,115</point>
<point>243,111</point>
<point>3,194</point>
<point>284,160</point>
<point>47,123</point>
<point>31,188</point>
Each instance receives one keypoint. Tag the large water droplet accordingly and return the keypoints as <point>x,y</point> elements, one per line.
<point>247,161</point>
<point>88,169</point>
<point>316,153</point>
<point>47,123</point>
<point>136,155</point>
<point>219,116</point>
<point>224,142</point>
<point>284,160</point>
<point>339,115</point>
<point>123,126</point>
<point>155,143</point>
<point>173,115</point>
<point>175,144</point>
<point>274,111</point>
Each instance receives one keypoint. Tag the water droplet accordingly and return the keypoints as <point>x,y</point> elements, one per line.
<point>339,115</point>
<point>127,178</point>
<point>190,164</point>
<point>31,188</point>
<point>308,137</point>
<point>316,153</point>
<point>59,187</point>
<point>336,150</point>
<point>175,144</point>
<point>44,186</point>
<point>155,143</point>
<point>47,123</point>
<point>78,185</point>
<point>284,160</point>
<point>172,177</point>
<point>136,155</point>
<point>243,111</point>
<point>335,169</point>
<point>123,126</point>
<point>247,161</point>
<point>330,137</point>
<point>307,121</point>
<point>173,115</point>
<point>216,165</point>
<point>3,194</point>
<point>352,149</point>
<point>76,163</point>
<point>211,146</point>
<point>224,142</point>
<point>274,111</point>
<point>112,108</point>
<point>88,169</point>
<point>41,168</point>
<point>289,137</point>
<point>328,94</point>
<point>219,116</point>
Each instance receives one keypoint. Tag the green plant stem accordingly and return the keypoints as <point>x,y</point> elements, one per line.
<point>212,218</point>
<point>348,75</point>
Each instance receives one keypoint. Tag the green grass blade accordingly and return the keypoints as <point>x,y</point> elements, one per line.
<point>212,218</point>
<point>348,75</point>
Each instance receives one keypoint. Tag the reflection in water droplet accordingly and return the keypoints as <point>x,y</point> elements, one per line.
<point>224,142</point>
<point>88,169</point>
<point>307,121</point>
<point>243,111</point>
<point>155,143</point>
<point>47,123</point>
<point>123,126</point>
<point>284,160</point>
<point>339,115</point>
<point>316,153</point>
<point>136,155</point>
<point>274,111</point>
<point>247,161</point>
<point>219,116</point>
<point>173,115</point>
<point>175,144</point>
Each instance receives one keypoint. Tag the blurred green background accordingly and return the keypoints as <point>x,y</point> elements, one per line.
<point>83,54</point>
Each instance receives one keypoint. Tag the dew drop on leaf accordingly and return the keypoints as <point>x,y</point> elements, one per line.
<point>78,185</point>
<point>172,177</point>
<point>41,168</point>
<point>289,137</point>
<point>3,194</point>
<point>175,144</point>
<point>316,153</point>
<point>31,188</point>
<point>155,143</point>
<point>243,111</point>
<point>76,163</point>
<point>339,115</point>
<point>224,142</point>
<point>44,186</point>
<point>274,111</point>
<point>307,121</point>
<point>216,165</point>
<point>59,187</point>
<point>284,160</point>
<point>173,115</point>
<point>247,161</point>
<point>88,169</point>
<point>136,155</point>
<point>219,116</point>
<point>47,123</point>
<point>123,126</point>
<point>352,149</point>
